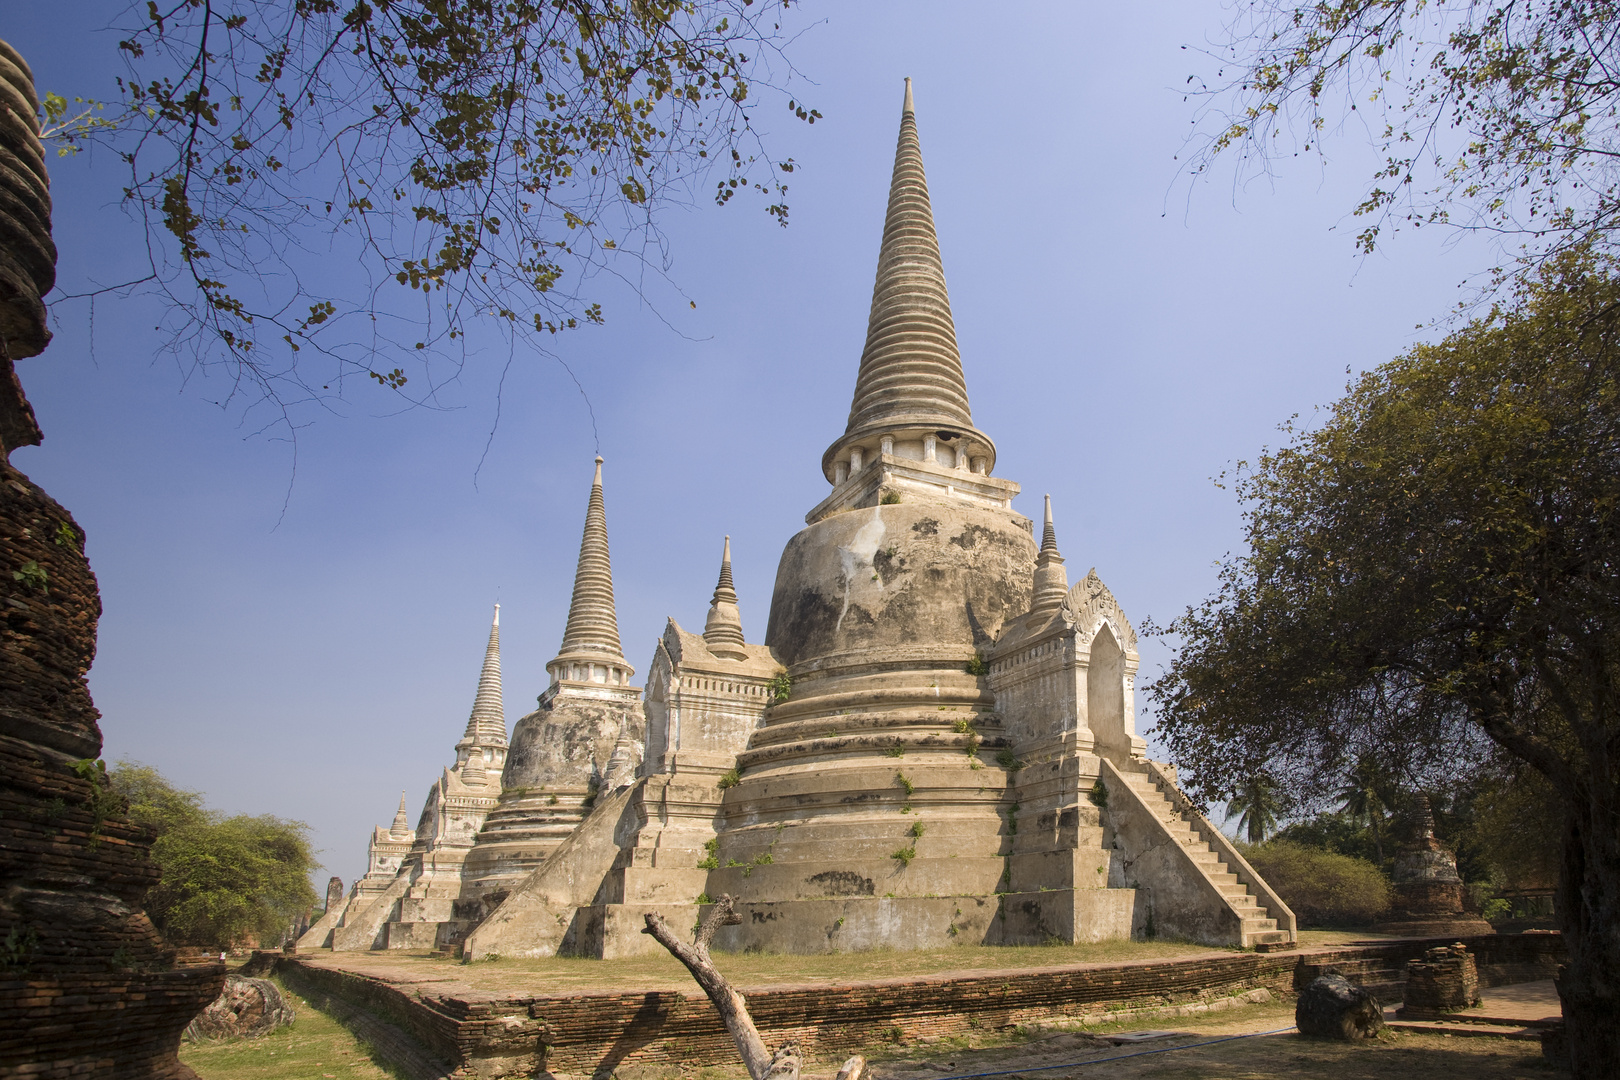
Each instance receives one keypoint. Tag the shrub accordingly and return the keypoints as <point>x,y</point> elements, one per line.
<point>1323,888</point>
<point>225,880</point>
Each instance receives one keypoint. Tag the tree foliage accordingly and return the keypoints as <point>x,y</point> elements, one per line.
<point>224,879</point>
<point>1257,805</point>
<point>336,189</point>
<point>1501,116</point>
<point>1432,579</point>
<point>1509,829</point>
<point>1322,888</point>
<point>153,801</point>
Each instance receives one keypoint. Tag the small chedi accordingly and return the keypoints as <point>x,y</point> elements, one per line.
<point>934,745</point>
<point>1429,900</point>
<point>88,989</point>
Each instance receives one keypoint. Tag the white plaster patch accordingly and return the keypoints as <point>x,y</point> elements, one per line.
<point>858,555</point>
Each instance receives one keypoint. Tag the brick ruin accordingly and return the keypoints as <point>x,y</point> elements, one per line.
<point>1444,981</point>
<point>88,987</point>
<point>1429,897</point>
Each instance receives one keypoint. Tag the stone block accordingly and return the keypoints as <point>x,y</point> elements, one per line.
<point>410,935</point>
<point>246,1008</point>
<point>1332,1008</point>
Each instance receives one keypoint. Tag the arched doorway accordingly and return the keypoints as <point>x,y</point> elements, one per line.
<point>1105,694</point>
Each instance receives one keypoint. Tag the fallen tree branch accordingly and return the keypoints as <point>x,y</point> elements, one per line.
<point>732,1006</point>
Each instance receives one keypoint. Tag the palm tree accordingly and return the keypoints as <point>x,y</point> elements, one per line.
<point>1257,807</point>
<point>1361,801</point>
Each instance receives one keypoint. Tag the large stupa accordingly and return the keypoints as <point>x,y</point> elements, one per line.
<point>936,742</point>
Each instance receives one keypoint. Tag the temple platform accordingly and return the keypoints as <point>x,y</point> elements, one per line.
<point>566,1018</point>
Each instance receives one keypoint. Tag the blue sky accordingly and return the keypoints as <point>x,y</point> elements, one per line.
<point>1126,334</point>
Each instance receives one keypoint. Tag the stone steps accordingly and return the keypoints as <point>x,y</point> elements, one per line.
<point>1258,927</point>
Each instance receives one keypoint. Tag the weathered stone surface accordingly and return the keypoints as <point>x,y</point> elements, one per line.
<point>245,1009</point>
<point>1332,1008</point>
<point>586,736</point>
<point>936,579</point>
<point>1444,981</point>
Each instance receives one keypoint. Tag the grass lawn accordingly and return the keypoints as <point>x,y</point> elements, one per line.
<point>562,975</point>
<point>313,1048</point>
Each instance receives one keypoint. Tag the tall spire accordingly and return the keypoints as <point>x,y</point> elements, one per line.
<point>911,370</point>
<point>593,627</point>
<point>1051,580</point>
<point>723,631</point>
<point>488,721</point>
<point>401,829</point>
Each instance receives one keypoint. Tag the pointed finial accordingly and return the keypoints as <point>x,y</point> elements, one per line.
<point>725,587</point>
<point>487,724</point>
<point>623,762</point>
<point>910,378</point>
<point>592,633</point>
<point>723,630</point>
<point>402,823</point>
<point>1051,580</point>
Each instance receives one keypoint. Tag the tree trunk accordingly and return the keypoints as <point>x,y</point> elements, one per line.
<point>786,1062</point>
<point>1589,913</point>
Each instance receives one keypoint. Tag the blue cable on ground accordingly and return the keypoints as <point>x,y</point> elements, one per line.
<point>1116,1057</point>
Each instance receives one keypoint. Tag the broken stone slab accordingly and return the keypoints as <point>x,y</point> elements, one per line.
<point>247,1008</point>
<point>1331,1007</point>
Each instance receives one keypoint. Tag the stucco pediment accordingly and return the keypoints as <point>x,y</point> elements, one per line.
<point>1090,605</point>
<point>672,641</point>
<point>659,672</point>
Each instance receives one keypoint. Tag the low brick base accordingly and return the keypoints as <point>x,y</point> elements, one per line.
<point>593,1033</point>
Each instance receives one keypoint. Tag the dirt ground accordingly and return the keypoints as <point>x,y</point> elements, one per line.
<point>1195,1052</point>
<point>1204,1049</point>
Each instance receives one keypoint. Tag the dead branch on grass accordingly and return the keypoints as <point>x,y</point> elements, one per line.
<point>786,1062</point>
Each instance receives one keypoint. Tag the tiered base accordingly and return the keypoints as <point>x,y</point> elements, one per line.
<point>859,923</point>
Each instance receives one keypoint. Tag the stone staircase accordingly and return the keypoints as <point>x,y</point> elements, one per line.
<point>1259,927</point>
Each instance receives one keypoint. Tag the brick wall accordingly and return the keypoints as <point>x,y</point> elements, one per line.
<point>596,1032</point>
<point>87,987</point>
